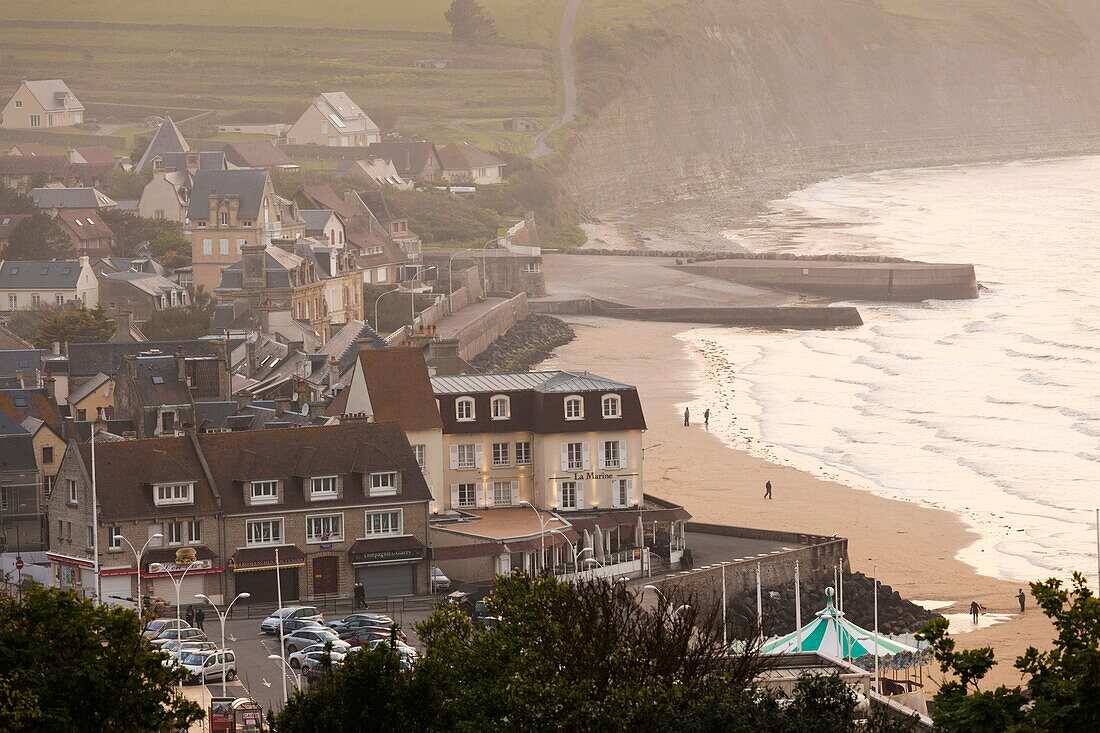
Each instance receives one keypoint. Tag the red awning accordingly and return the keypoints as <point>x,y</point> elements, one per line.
<point>263,558</point>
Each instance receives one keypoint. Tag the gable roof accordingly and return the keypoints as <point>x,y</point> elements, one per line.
<point>464,156</point>
<point>88,359</point>
<point>344,113</point>
<point>255,154</point>
<point>157,382</point>
<point>16,449</point>
<point>19,404</point>
<point>10,341</point>
<point>53,95</point>
<point>29,149</point>
<point>325,197</point>
<point>85,224</point>
<point>410,159</point>
<point>87,388</point>
<point>278,264</point>
<point>8,222</point>
<point>31,165</point>
<point>168,139</point>
<point>316,219</point>
<point>399,388</point>
<point>60,274</point>
<point>71,198</point>
<point>383,209</point>
<point>147,282</point>
<point>21,358</point>
<point>96,155</point>
<point>247,184</point>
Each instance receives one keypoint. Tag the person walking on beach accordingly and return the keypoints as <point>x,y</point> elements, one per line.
<point>199,618</point>
<point>687,417</point>
<point>1021,597</point>
<point>975,609</point>
<point>706,418</point>
<point>768,489</point>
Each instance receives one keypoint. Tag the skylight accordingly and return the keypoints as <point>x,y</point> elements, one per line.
<point>157,379</point>
<point>79,223</point>
<point>15,271</point>
<point>20,401</point>
<point>337,121</point>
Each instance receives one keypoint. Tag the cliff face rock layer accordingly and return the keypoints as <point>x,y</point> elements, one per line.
<point>760,96</point>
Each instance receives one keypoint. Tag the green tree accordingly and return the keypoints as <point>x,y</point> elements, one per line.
<point>186,323</point>
<point>13,201</point>
<point>469,22</point>
<point>73,325</point>
<point>165,238</point>
<point>38,237</point>
<point>127,185</point>
<point>69,666</point>
<point>1062,692</point>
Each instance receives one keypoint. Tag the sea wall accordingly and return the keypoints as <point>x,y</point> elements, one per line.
<point>752,99</point>
<point>786,317</point>
<point>480,333</point>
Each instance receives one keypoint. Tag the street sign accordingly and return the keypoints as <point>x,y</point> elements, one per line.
<point>222,719</point>
<point>18,562</point>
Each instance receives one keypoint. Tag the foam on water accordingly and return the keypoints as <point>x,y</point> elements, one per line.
<point>989,408</point>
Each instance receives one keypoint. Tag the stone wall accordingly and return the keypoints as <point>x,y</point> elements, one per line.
<point>785,317</point>
<point>483,331</point>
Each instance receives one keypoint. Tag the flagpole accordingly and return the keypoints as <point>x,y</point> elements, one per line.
<point>840,590</point>
<point>878,683</point>
<point>759,605</point>
<point>797,606</point>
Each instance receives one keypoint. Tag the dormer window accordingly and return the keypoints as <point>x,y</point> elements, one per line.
<point>264,492</point>
<point>464,409</point>
<point>223,218</point>
<point>322,487</point>
<point>612,406</point>
<point>168,494</point>
<point>383,483</point>
<point>574,408</point>
<point>502,407</point>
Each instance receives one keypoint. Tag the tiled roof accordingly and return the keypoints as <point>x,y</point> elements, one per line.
<point>255,154</point>
<point>249,185</point>
<point>344,113</point>
<point>147,282</point>
<point>30,165</point>
<point>464,157</point>
<point>410,159</point>
<point>168,139</point>
<point>85,223</point>
<point>87,388</point>
<point>86,360</point>
<point>383,209</point>
<point>97,155</point>
<point>399,387</point>
<point>316,219</point>
<point>16,451</point>
<point>83,197</point>
<point>539,381</point>
<point>49,274</point>
<point>53,95</point>
<point>19,404</point>
<point>8,222</point>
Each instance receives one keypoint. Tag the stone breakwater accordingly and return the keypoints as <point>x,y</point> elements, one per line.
<point>525,344</point>
<point>895,614</point>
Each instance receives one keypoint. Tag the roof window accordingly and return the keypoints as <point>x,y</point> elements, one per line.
<point>158,379</point>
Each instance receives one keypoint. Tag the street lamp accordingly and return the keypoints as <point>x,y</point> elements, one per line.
<point>411,293</point>
<point>95,515</point>
<point>287,668</point>
<point>137,559</point>
<point>576,553</point>
<point>450,269</point>
<point>592,561</point>
<point>162,568</point>
<point>542,533</point>
<point>221,618</point>
<point>725,623</point>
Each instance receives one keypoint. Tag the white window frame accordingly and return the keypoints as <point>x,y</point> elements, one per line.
<point>263,498</point>
<point>571,401</point>
<point>313,538</point>
<point>574,462</point>
<point>420,451</point>
<point>194,531</point>
<point>615,400</point>
<point>467,402</point>
<point>383,489</point>
<point>619,498</point>
<point>114,538</point>
<point>611,454</point>
<point>392,531</point>
<point>502,401</point>
<point>324,494</point>
<point>504,493</point>
<point>175,493</point>
<point>574,503</point>
<point>523,457</point>
<point>459,489</point>
<point>73,497</point>
<point>502,454</point>
<point>173,532</point>
<point>462,448</point>
<point>223,246</point>
<point>272,540</point>
<point>207,246</point>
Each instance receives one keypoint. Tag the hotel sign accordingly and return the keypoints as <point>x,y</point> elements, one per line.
<point>171,567</point>
<point>592,476</point>
<point>409,553</point>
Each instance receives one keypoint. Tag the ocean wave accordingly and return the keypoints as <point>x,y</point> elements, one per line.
<point>1085,429</point>
<point>1039,379</point>
<point>1028,338</point>
<point>1088,456</point>
<point>1047,357</point>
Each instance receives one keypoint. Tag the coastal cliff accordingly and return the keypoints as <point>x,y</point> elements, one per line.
<point>753,98</point>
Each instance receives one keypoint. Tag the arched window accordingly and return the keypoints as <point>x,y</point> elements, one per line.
<point>612,406</point>
<point>464,409</point>
<point>502,407</point>
<point>574,408</point>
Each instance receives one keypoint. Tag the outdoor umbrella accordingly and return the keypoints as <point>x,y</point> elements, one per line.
<point>639,534</point>
<point>597,542</point>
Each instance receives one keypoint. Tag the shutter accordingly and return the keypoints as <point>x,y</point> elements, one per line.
<point>565,456</point>
<point>585,457</point>
<point>615,493</point>
<point>602,456</point>
<point>454,456</point>
<point>515,493</point>
<point>629,491</point>
<point>454,496</point>
<point>580,496</point>
<point>481,494</point>
<point>479,458</point>
<point>622,454</point>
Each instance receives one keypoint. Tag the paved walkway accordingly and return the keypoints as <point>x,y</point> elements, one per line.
<point>707,549</point>
<point>452,324</point>
<point>568,78</point>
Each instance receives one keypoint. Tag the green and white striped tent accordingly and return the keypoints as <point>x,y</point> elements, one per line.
<point>834,636</point>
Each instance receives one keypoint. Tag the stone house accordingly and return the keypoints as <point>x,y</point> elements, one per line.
<point>166,195</point>
<point>42,104</point>
<point>87,231</point>
<point>157,393</point>
<point>20,490</point>
<point>334,120</point>
<point>325,225</point>
<point>413,160</point>
<point>141,294</point>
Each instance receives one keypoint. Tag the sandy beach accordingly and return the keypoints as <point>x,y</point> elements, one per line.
<point>913,546</point>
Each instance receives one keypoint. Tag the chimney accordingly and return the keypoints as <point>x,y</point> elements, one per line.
<point>181,366</point>
<point>57,348</point>
<point>73,156</point>
<point>84,261</point>
<point>281,405</point>
<point>212,207</point>
<point>333,371</point>
<point>122,326</point>
<point>244,399</point>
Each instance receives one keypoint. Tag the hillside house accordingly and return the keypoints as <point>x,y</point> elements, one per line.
<point>413,161</point>
<point>42,104</point>
<point>24,172</point>
<point>334,120</point>
<point>463,163</point>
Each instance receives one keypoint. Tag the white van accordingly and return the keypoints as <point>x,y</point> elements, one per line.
<point>210,665</point>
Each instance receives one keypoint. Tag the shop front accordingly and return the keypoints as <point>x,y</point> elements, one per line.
<point>189,566</point>
<point>390,566</point>
<point>254,572</point>
<point>73,573</point>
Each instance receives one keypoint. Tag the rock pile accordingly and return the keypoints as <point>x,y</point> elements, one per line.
<point>525,344</point>
<point>895,614</point>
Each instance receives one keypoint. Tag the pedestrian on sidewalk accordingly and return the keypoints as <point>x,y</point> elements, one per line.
<point>190,616</point>
<point>360,596</point>
<point>1021,597</point>
<point>975,609</point>
<point>706,418</point>
<point>687,417</point>
<point>199,618</point>
<point>768,489</point>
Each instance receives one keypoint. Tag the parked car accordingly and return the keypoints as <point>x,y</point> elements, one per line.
<point>361,623</point>
<point>439,580</point>
<point>210,665</point>
<point>153,628</point>
<point>406,654</point>
<point>270,625</point>
<point>306,637</point>
<point>295,658</point>
<point>315,658</point>
<point>359,637</point>
<point>178,635</point>
<point>360,619</point>
<point>174,649</point>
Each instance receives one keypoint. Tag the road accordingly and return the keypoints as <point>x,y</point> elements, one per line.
<point>568,78</point>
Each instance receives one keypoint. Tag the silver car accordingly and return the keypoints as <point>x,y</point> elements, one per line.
<point>270,625</point>
<point>210,665</point>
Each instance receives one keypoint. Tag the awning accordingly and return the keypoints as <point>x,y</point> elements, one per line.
<point>386,549</point>
<point>69,560</point>
<point>263,558</point>
<point>535,543</point>
<point>625,517</point>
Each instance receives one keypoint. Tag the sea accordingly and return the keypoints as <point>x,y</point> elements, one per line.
<point>989,408</point>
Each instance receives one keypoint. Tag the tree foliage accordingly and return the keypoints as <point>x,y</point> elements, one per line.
<point>124,185</point>
<point>71,325</point>
<point>469,22</point>
<point>69,666</point>
<point>38,237</point>
<point>189,322</point>
<point>1062,692</point>
<point>13,201</point>
<point>560,657</point>
<point>166,241</point>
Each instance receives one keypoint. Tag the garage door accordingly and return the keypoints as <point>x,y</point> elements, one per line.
<point>116,590</point>
<point>384,581</point>
<point>261,584</point>
<point>166,589</point>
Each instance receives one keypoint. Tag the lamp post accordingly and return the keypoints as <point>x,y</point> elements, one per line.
<point>725,622</point>
<point>671,613</point>
<point>576,553</point>
<point>282,637</point>
<point>592,561</point>
<point>286,668</point>
<point>221,619</point>
<point>542,533</point>
<point>95,514</point>
<point>162,568</point>
<point>450,269</point>
<point>137,559</point>
<point>383,295</point>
